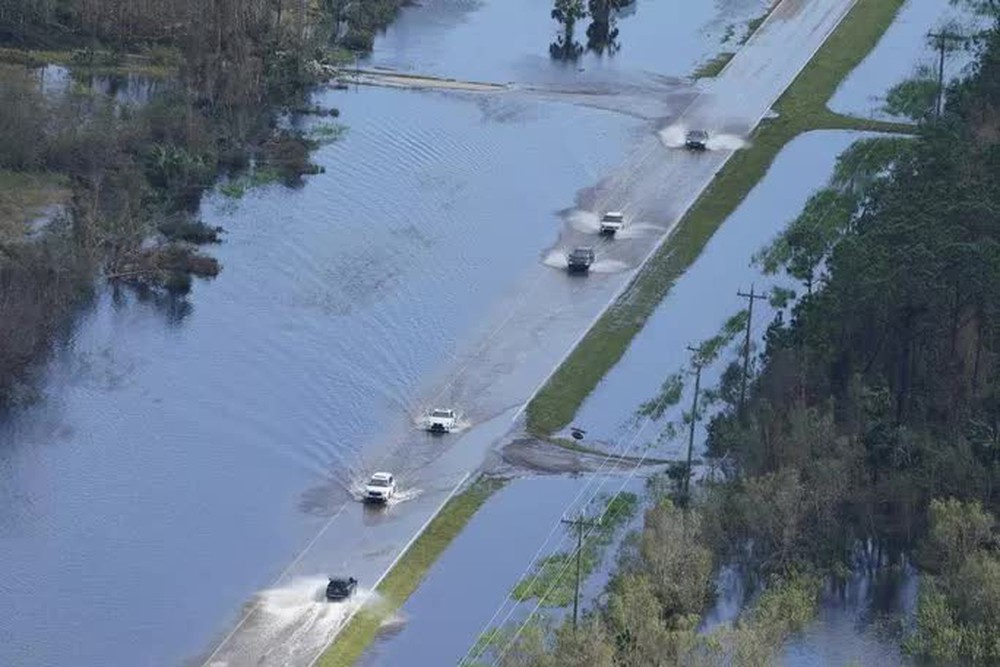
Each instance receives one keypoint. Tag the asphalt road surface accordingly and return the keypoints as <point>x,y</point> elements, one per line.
<point>527,335</point>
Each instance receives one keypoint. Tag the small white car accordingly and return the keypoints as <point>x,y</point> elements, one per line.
<point>441,421</point>
<point>613,221</point>
<point>380,488</point>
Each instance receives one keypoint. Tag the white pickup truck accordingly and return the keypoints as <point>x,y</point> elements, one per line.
<point>613,221</point>
<point>441,421</point>
<point>380,488</point>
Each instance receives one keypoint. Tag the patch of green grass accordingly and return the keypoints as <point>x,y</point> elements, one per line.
<point>712,67</point>
<point>158,62</point>
<point>754,24</point>
<point>328,132</point>
<point>24,196</point>
<point>802,108</point>
<point>238,187</point>
<point>407,574</point>
<point>553,580</point>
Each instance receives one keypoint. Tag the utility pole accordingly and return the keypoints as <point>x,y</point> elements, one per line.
<point>942,38</point>
<point>579,523</point>
<point>694,418</point>
<point>752,296</point>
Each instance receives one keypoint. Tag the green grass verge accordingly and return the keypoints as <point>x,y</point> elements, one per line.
<point>802,108</point>
<point>712,67</point>
<point>23,196</point>
<point>158,62</point>
<point>547,581</point>
<point>407,574</point>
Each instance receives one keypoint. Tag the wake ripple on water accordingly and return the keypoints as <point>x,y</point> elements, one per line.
<point>675,135</point>
<point>585,221</point>
<point>557,259</point>
<point>293,622</point>
<point>638,230</point>
<point>402,495</point>
<point>608,266</point>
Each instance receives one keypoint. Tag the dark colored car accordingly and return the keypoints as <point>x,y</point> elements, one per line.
<point>341,588</point>
<point>580,259</point>
<point>697,140</point>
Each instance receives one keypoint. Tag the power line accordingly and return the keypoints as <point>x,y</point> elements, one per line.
<point>578,523</point>
<point>746,344</point>
<point>698,363</point>
<point>942,38</point>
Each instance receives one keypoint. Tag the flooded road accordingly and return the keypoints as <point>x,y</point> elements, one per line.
<point>187,454</point>
<point>461,596</point>
<point>706,295</point>
<point>182,459</point>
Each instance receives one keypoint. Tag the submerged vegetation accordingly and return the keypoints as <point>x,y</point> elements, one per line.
<point>125,174</point>
<point>547,582</point>
<point>602,33</point>
<point>652,608</point>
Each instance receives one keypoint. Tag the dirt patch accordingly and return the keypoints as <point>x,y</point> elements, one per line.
<point>397,80</point>
<point>542,456</point>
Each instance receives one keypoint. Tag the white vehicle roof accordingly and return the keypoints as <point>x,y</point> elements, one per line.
<point>614,214</point>
<point>386,476</point>
<point>442,413</point>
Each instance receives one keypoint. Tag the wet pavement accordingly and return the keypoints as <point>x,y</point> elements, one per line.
<point>466,591</point>
<point>187,453</point>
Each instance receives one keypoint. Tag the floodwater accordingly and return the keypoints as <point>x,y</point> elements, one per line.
<point>903,48</point>
<point>466,591</point>
<point>126,88</point>
<point>188,455</point>
<point>185,453</point>
<point>509,41</point>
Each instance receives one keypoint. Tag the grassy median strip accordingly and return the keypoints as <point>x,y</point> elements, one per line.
<point>407,574</point>
<point>802,108</point>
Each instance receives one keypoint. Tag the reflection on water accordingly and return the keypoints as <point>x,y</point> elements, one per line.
<point>901,50</point>
<point>510,39</point>
<point>858,622</point>
<point>124,87</point>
